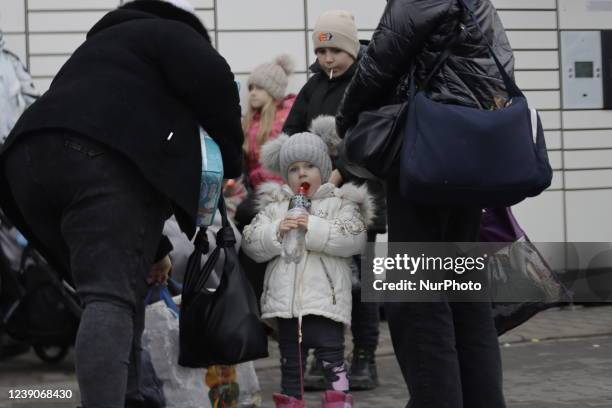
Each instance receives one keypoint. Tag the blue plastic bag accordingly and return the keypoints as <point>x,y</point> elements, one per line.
<point>161,292</point>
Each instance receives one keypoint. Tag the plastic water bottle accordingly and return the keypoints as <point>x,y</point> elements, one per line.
<point>294,241</point>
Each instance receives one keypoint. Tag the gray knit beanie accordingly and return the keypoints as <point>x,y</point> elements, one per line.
<point>280,153</point>
<point>273,76</point>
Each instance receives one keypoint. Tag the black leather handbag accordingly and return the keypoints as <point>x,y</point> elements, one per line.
<point>222,325</point>
<point>375,141</point>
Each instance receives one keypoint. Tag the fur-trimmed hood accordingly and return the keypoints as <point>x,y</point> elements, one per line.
<point>269,193</point>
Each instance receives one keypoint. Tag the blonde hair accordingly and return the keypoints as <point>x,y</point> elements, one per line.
<point>266,123</point>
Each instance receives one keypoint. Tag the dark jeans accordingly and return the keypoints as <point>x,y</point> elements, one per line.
<point>324,335</point>
<point>448,352</point>
<point>365,316</point>
<point>101,221</point>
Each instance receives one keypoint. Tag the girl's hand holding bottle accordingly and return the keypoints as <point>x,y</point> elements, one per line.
<point>292,222</point>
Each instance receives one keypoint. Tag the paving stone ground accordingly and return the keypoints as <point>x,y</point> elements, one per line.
<point>559,359</point>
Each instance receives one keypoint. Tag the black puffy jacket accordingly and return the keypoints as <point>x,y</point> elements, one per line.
<point>319,96</point>
<point>416,32</point>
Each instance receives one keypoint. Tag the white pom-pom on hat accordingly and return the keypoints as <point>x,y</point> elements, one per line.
<point>285,61</point>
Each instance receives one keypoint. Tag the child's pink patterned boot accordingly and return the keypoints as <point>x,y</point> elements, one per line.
<point>285,401</point>
<point>337,399</point>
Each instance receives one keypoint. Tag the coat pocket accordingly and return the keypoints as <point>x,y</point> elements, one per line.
<point>88,148</point>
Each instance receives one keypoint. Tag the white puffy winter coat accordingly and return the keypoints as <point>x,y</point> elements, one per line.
<point>321,283</point>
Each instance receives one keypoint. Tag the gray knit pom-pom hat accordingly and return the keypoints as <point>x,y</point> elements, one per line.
<point>273,76</point>
<point>278,154</point>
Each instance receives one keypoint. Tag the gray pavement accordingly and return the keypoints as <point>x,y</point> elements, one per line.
<point>573,373</point>
<point>561,358</point>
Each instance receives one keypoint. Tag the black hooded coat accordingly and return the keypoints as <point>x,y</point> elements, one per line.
<point>144,79</point>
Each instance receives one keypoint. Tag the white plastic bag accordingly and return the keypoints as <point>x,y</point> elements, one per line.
<point>237,386</point>
<point>183,387</point>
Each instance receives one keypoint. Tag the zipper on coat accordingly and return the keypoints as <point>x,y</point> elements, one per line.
<point>329,279</point>
<point>294,288</point>
<point>295,278</point>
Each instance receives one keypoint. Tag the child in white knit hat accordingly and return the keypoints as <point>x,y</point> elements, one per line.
<point>268,108</point>
<point>313,295</point>
<point>336,46</point>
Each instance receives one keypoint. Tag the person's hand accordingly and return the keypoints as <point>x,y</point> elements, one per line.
<point>290,223</point>
<point>285,226</point>
<point>302,221</point>
<point>160,271</point>
<point>336,178</point>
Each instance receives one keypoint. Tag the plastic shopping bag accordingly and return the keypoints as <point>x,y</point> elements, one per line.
<point>183,387</point>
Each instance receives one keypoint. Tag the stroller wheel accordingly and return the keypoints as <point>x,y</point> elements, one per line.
<point>51,354</point>
<point>11,348</point>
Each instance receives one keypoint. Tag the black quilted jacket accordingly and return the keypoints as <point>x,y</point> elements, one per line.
<point>416,32</point>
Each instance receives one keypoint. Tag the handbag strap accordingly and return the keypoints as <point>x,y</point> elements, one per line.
<point>200,247</point>
<point>457,38</point>
<point>225,240</point>
<point>461,35</point>
<point>511,87</point>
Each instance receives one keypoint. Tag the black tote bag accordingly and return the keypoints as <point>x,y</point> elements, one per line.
<point>219,326</point>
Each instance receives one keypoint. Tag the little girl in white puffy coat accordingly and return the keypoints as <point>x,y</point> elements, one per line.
<point>317,291</point>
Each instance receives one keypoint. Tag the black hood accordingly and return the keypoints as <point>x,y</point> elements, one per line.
<point>315,68</point>
<point>143,9</point>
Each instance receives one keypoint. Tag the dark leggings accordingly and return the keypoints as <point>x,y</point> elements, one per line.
<point>448,352</point>
<point>365,317</point>
<point>326,337</point>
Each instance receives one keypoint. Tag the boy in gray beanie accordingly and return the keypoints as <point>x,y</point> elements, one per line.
<point>313,295</point>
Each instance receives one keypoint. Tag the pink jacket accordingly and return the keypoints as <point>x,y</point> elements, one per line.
<point>256,172</point>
